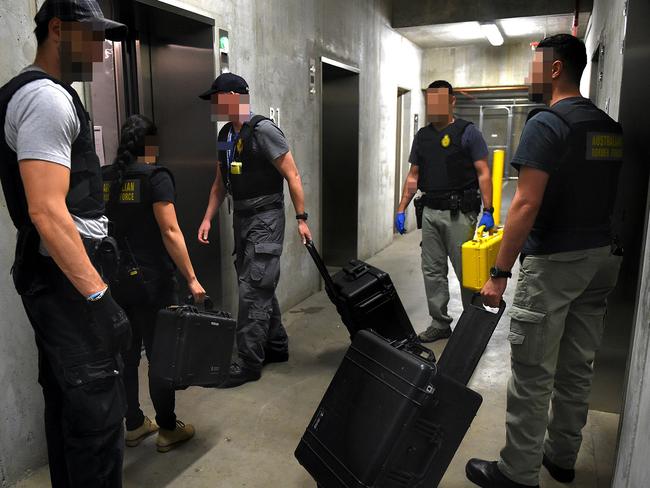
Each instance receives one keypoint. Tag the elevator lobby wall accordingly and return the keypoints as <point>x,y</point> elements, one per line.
<point>271,44</point>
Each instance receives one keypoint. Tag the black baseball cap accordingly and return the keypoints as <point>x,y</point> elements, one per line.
<point>81,11</point>
<point>226,83</point>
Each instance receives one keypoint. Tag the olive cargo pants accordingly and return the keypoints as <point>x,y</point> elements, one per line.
<point>556,327</point>
<point>443,234</point>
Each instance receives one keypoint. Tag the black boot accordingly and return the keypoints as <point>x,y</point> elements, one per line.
<point>271,356</point>
<point>240,375</point>
<point>486,474</point>
<point>562,475</point>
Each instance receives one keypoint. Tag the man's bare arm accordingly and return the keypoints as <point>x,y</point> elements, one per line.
<point>46,186</point>
<point>410,188</point>
<point>484,181</point>
<point>521,216</point>
<point>215,199</point>
<point>286,166</point>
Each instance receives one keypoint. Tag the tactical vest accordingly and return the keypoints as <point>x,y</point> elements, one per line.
<point>84,197</point>
<point>446,166</point>
<point>129,207</point>
<point>578,205</point>
<point>256,176</point>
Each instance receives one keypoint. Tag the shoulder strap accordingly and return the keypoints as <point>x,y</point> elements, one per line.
<point>249,127</point>
<point>535,111</point>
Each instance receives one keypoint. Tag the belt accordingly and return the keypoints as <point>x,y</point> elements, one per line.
<point>249,212</point>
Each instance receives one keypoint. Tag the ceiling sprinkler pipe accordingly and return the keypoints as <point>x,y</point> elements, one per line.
<point>576,17</point>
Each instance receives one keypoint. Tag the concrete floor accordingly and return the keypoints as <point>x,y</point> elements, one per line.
<point>246,436</point>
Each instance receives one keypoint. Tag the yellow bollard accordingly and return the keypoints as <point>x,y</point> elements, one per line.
<point>480,254</point>
<point>497,183</point>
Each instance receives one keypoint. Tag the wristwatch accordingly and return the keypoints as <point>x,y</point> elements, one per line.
<point>490,209</point>
<point>302,216</point>
<point>499,273</point>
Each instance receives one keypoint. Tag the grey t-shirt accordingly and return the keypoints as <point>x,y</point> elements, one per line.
<point>42,124</point>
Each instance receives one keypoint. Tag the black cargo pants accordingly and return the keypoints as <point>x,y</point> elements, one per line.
<point>143,325</point>
<point>259,237</point>
<point>82,386</point>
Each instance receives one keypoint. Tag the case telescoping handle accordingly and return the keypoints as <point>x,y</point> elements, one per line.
<point>477,302</point>
<point>320,264</point>
<point>206,306</point>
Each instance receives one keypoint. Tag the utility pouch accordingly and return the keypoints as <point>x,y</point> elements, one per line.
<point>25,267</point>
<point>455,203</point>
<point>471,201</point>
<point>418,203</point>
<point>134,284</point>
<point>106,259</point>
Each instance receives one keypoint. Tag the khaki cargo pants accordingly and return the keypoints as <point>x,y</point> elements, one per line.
<point>443,234</point>
<point>556,327</point>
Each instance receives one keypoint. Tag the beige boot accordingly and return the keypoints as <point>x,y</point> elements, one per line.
<point>136,436</point>
<point>169,439</point>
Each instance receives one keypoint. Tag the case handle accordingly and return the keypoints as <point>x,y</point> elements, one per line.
<point>206,306</point>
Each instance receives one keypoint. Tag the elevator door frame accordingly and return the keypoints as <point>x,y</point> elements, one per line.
<point>354,71</point>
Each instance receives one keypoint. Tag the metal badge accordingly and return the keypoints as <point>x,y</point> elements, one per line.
<point>445,141</point>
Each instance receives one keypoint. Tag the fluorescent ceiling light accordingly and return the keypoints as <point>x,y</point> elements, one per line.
<point>464,30</point>
<point>493,34</point>
<point>519,27</point>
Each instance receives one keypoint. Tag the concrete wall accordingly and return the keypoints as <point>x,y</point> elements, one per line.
<point>271,44</point>
<point>606,26</point>
<point>477,65</point>
<point>21,403</point>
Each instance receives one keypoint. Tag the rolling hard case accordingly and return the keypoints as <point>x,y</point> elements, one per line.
<point>469,340</point>
<point>389,419</point>
<point>365,298</point>
<point>192,347</point>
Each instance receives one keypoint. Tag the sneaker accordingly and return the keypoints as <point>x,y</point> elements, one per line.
<point>271,356</point>
<point>240,375</point>
<point>136,436</point>
<point>563,475</point>
<point>169,439</point>
<point>433,334</point>
<point>486,474</point>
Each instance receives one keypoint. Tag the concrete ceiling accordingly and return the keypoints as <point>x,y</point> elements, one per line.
<point>520,29</point>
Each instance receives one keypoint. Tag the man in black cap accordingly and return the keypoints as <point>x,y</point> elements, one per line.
<point>53,188</point>
<point>254,161</point>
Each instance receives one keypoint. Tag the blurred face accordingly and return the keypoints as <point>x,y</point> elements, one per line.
<point>230,107</point>
<point>151,150</point>
<point>540,78</point>
<point>440,104</point>
<point>82,44</point>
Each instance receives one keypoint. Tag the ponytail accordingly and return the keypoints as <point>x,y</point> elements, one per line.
<point>132,144</point>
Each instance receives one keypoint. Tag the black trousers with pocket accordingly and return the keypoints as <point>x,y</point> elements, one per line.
<point>143,326</point>
<point>82,386</point>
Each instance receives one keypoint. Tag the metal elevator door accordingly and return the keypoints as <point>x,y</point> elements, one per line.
<point>175,64</point>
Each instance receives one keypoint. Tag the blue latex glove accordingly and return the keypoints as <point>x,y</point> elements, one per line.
<point>487,220</point>
<point>399,222</point>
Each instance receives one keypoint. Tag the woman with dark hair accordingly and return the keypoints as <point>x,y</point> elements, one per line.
<point>139,197</point>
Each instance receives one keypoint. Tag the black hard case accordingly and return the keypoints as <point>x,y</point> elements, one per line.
<point>366,298</point>
<point>388,419</point>
<point>192,347</point>
<point>468,341</point>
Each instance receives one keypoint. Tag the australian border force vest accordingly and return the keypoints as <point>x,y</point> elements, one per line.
<point>84,197</point>
<point>131,212</point>
<point>252,175</point>
<point>580,197</point>
<point>446,166</point>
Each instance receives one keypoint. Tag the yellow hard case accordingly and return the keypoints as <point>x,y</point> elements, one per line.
<point>478,256</point>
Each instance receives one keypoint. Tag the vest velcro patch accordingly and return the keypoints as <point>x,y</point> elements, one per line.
<point>130,192</point>
<point>604,146</point>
